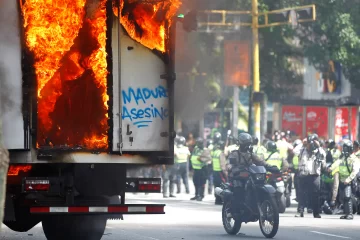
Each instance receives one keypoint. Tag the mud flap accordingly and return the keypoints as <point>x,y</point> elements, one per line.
<point>9,210</point>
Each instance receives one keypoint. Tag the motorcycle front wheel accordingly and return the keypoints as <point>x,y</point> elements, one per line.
<point>232,226</point>
<point>269,217</point>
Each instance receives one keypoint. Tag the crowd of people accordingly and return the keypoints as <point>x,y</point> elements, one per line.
<point>325,173</point>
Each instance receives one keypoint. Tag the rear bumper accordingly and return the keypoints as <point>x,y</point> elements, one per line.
<point>93,210</point>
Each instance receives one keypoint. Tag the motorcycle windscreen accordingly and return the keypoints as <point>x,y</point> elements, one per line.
<point>140,97</point>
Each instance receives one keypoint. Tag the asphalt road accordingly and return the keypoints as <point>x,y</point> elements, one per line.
<point>190,220</point>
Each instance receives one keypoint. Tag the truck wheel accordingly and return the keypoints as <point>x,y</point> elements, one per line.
<point>74,227</point>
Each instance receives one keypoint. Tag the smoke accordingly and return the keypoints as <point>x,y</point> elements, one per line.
<point>10,60</point>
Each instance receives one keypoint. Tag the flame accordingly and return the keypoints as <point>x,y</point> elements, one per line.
<point>145,20</point>
<point>68,41</point>
<point>15,169</point>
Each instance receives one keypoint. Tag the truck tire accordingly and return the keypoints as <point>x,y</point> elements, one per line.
<point>74,227</point>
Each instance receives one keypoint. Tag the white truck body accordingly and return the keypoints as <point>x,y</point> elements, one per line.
<point>140,99</point>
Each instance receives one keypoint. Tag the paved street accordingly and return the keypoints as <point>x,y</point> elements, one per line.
<point>185,219</point>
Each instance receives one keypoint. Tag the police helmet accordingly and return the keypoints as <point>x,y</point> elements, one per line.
<point>217,137</point>
<point>245,142</point>
<point>297,142</point>
<point>331,143</point>
<point>200,142</point>
<point>181,141</point>
<point>255,140</point>
<point>271,146</point>
<point>356,144</point>
<point>313,137</point>
<point>347,147</point>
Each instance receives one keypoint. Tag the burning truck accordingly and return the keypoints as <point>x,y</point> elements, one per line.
<point>87,88</point>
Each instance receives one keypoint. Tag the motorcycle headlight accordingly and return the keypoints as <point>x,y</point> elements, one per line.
<point>260,176</point>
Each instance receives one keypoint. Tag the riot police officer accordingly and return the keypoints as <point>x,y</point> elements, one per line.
<point>332,153</point>
<point>200,171</point>
<point>311,162</point>
<point>349,167</point>
<point>273,158</point>
<point>218,167</point>
<point>259,150</point>
<point>182,155</point>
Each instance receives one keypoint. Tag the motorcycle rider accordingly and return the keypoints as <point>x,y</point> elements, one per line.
<point>182,155</point>
<point>238,160</point>
<point>349,167</point>
<point>272,157</point>
<point>200,171</point>
<point>311,162</point>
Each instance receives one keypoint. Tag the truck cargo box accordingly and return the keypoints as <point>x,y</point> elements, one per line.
<point>79,87</point>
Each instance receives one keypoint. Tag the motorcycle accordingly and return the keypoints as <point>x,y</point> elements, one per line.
<point>287,178</point>
<point>276,180</point>
<point>259,203</point>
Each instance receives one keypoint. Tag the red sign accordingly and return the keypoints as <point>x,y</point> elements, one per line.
<point>354,122</point>
<point>237,63</point>
<point>317,121</point>
<point>292,119</point>
<point>341,123</point>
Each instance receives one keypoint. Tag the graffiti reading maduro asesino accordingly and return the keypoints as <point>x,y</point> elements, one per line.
<point>140,105</point>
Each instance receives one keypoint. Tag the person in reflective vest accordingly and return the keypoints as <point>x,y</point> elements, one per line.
<point>332,153</point>
<point>294,165</point>
<point>259,150</point>
<point>199,168</point>
<point>282,145</point>
<point>218,166</point>
<point>273,158</point>
<point>349,167</point>
<point>182,154</point>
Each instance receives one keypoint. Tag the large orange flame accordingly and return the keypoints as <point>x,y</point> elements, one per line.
<point>145,20</point>
<point>68,39</point>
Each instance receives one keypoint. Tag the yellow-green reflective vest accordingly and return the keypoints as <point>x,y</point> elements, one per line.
<point>260,151</point>
<point>215,155</point>
<point>273,159</point>
<point>296,162</point>
<point>282,146</point>
<point>182,154</point>
<point>195,162</point>
<point>344,171</point>
<point>335,153</point>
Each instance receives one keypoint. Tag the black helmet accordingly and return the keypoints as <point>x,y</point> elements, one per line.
<point>347,147</point>
<point>181,141</point>
<point>356,143</point>
<point>217,137</point>
<point>200,142</point>
<point>255,140</point>
<point>313,137</point>
<point>245,142</point>
<point>297,142</point>
<point>331,143</point>
<point>271,146</point>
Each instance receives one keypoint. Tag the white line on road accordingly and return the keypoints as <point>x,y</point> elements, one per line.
<point>330,235</point>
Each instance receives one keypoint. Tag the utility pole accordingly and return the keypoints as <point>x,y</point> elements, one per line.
<point>256,65</point>
<point>228,19</point>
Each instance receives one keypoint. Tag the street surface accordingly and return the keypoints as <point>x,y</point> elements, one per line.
<point>194,220</point>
